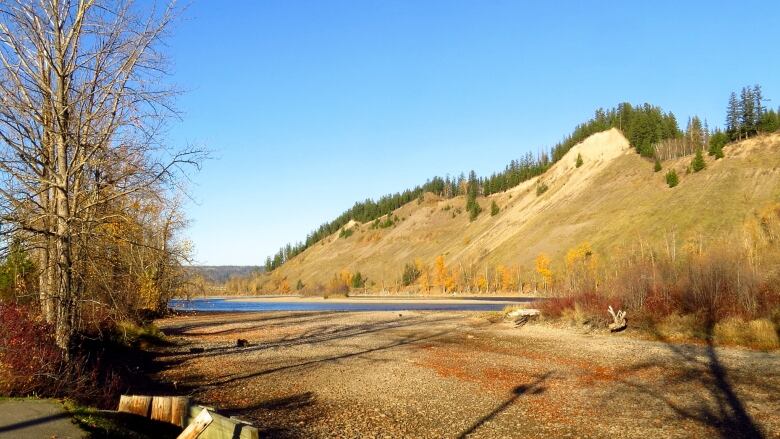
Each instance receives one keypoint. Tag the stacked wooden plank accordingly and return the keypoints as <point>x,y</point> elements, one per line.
<point>197,421</point>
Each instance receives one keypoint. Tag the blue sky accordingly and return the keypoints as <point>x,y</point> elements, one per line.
<point>309,106</point>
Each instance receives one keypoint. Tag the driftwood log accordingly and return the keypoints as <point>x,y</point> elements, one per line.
<point>522,316</point>
<point>619,320</point>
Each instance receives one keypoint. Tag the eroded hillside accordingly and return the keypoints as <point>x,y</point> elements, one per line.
<point>614,200</point>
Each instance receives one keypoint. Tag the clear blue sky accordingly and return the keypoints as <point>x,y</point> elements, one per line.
<point>312,105</point>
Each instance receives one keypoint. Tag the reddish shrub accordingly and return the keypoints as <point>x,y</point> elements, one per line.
<point>32,364</point>
<point>28,354</point>
<point>593,305</point>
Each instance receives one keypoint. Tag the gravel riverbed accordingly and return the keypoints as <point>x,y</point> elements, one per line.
<point>457,374</point>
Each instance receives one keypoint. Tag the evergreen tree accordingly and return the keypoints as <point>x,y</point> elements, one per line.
<point>358,281</point>
<point>718,153</point>
<point>671,178</point>
<point>758,106</point>
<point>747,114</point>
<point>698,162</point>
<point>494,208</point>
<point>718,140</point>
<point>472,191</point>
<point>770,122</point>
<point>579,160</point>
<point>732,116</point>
<point>474,211</point>
<point>694,133</point>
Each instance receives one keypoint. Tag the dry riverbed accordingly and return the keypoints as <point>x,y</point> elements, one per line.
<point>449,375</point>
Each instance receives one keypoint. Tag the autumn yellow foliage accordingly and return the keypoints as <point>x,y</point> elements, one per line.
<point>544,270</point>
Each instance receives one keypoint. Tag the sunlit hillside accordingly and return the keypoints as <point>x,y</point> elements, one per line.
<point>614,200</point>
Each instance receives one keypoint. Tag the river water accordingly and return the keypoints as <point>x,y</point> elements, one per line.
<point>210,304</point>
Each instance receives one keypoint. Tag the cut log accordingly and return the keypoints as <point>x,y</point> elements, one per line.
<point>180,405</point>
<point>200,423</point>
<point>161,409</point>
<point>137,405</point>
<point>124,404</point>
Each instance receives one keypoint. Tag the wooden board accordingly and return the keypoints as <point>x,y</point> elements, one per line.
<point>225,428</point>
<point>197,426</point>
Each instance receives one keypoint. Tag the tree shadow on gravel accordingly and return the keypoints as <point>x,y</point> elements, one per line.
<point>714,402</point>
<point>321,334</point>
<point>280,417</point>
<point>255,320</point>
<point>403,341</point>
<point>534,388</point>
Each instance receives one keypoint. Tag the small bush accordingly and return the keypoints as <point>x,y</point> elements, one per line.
<point>410,274</point>
<point>581,309</point>
<point>579,160</point>
<point>657,165</point>
<point>389,221</point>
<point>541,188</point>
<point>718,140</point>
<point>671,178</point>
<point>346,233</point>
<point>678,328</point>
<point>336,287</point>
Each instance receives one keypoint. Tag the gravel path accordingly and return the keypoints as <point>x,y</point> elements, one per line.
<point>450,375</point>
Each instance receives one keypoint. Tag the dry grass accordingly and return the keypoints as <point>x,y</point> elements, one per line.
<point>758,333</point>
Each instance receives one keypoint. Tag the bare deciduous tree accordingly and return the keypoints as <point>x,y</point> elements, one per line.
<point>82,110</point>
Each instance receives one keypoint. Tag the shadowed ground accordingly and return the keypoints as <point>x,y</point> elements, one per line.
<point>441,374</point>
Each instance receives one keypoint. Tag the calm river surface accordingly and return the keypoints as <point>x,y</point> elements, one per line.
<point>472,304</point>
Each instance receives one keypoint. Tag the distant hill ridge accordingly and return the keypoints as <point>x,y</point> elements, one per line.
<point>221,273</point>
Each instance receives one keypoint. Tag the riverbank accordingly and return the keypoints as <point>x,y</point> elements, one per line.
<point>456,374</point>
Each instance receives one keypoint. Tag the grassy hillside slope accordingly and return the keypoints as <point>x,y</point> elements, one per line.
<point>614,200</point>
